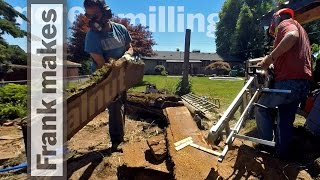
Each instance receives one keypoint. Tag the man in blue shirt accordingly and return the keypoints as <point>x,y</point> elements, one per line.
<point>106,40</point>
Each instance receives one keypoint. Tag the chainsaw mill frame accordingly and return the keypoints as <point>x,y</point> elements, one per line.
<point>245,100</point>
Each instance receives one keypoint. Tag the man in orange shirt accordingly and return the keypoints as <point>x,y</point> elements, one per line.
<point>291,58</point>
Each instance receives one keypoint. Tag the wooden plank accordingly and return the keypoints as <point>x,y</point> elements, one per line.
<point>205,149</point>
<point>183,145</point>
<point>189,163</point>
<point>183,141</point>
<point>85,106</point>
<point>308,16</point>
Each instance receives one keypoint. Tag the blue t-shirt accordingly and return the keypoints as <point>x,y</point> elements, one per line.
<point>108,44</point>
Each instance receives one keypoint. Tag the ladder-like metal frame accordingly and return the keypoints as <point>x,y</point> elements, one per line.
<point>244,100</point>
<point>200,103</point>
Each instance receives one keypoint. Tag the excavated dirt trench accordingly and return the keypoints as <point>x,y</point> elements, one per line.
<point>145,166</point>
<point>91,157</point>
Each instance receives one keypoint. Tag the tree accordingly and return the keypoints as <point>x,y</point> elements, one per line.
<point>312,28</point>
<point>142,38</point>
<point>16,55</point>
<point>221,68</point>
<point>249,37</point>
<point>76,42</point>
<point>241,36</point>
<point>315,48</point>
<point>239,32</point>
<point>226,26</point>
<point>8,25</point>
<point>315,53</point>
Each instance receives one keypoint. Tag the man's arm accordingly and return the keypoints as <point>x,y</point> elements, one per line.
<point>129,49</point>
<point>98,59</point>
<point>285,44</point>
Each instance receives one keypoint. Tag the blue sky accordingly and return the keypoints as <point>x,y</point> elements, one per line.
<point>167,20</point>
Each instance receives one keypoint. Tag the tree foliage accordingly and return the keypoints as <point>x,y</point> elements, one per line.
<point>16,55</point>
<point>142,38</point>
<point>315,48</point>
<point>238,31</point>
<point>313,30</point>
<point>226,26</point>
<point>8,25</point>
<point>76,41</point>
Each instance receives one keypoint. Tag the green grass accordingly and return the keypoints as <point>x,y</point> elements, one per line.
<point>225,90</point>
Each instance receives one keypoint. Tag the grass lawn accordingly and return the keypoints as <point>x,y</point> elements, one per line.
<point>225,90</point>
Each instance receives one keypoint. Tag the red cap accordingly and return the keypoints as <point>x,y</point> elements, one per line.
<point>284,11</point>
<point>273,24</point>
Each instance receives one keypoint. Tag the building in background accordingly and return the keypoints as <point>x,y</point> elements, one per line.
<point>15,72</point>
<point>173,61</point>
<point>73,69</point>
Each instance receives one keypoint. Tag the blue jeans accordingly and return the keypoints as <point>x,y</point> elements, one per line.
<point>287,106</point>
<point>117,118</point>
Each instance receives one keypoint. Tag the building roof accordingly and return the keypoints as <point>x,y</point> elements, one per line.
<point>181,61</point>
<point>194,56</point>
<point>13,66</point>
<point>17,66</point>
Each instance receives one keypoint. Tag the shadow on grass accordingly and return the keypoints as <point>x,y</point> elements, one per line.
<point>142,83</point>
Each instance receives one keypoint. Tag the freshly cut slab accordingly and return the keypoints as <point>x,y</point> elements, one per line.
<point>189,162</point>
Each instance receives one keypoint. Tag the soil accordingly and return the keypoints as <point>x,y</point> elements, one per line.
<point>91,158</point>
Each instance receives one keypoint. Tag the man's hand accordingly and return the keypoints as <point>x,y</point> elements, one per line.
<point>127,56</point>
<point>265,63</point>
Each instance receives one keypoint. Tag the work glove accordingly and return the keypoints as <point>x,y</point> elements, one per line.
<point>127,56</point>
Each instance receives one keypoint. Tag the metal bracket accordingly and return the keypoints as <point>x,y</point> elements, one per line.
<point>222,126</point>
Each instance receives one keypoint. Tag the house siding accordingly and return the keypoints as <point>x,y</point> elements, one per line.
<point>73,71</point>
<point>173,62</point>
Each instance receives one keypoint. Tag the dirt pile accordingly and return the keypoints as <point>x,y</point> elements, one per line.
<point>90,156</point>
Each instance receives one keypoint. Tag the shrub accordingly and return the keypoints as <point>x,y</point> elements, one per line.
<point>180,91</point>
<point>13,101</point>
<point>164,73</point>
<point>11,111</point>
<point>221,68</point>
<point>159,68</point>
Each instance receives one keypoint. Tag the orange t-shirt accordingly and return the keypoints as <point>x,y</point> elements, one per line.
<point>296,62</point>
